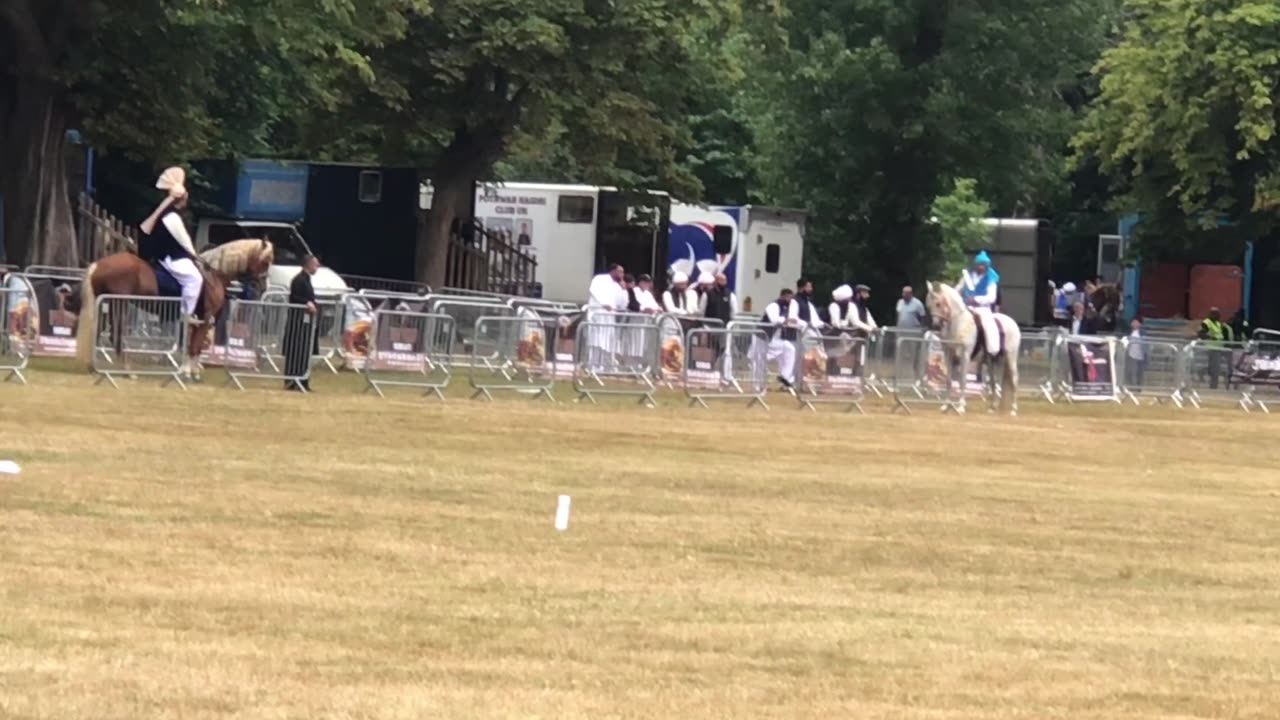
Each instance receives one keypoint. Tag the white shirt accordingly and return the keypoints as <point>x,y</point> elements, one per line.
<point>793,313</point>
<point>774,313</point>
<point>173,223</point>
<point>691,302</point>
<point>646,301</point>
<point>856,322</point>
<point>606,293</point>
<point>1136,350</point>
<point>910,313</point>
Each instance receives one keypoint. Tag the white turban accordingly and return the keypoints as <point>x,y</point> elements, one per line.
<point>1069,287</point>
<point>706,278</point>
<point>844,293</point>
<point>678,278</point>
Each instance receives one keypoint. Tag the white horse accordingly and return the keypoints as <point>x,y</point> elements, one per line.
<point>959,330</point>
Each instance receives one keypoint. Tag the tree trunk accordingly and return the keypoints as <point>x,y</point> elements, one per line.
<point>39,223</point>
<point>452,199</point>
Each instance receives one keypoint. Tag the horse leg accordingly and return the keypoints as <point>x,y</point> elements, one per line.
<point>1011,382</point>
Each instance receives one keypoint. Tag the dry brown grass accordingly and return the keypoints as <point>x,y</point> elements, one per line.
<point>261,555</point>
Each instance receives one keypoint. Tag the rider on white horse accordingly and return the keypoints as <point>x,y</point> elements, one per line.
<point>980,287</point>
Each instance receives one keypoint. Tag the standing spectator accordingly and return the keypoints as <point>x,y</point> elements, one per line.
<point>706,281</point>
<point>1214,333</point>
<point>1080,323</point>
<point>1136,356</point>
<point>842,309</point>
<point>782,338</point>
<point>605,296</point>
<point>911,313</point>
<point>1239,326</point>
<point>680,299</point>
<point>803,308</point>
<point>301,341</point>
<point>719,302</point>
<point>863,322</point>
<point>644,296</point>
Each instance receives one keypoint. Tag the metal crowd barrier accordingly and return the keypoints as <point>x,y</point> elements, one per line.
<point>63,272</point>
<point>1211,375</point>
<point>358,311</point>
<point>1089,368</point>
<point>264,334</point>
<point>929,371</point>
<point>615,356</point>
<point>329,326</point>
<point>468,344</point>
<point>409,349</point>
<point>18,332</point>
<point>740,373</point>
<point>385,285</point>
<point>139,336</point>
<point>55,324</point>
<point>1036,362</point>
<point>882,350</point>
<point>675,347</point>
<point>832,369</point>
<point>513,354</point>
<point>1152,368</point>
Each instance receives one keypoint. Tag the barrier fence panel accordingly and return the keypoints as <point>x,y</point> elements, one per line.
<point>1090,368</point>
<point>15,339</point>
<point>52,307</point>
<point>615,356</point>
<point>1036,362</point>
<point>1259,367</point>
<point>137,337</point>
<point>409,349</point>
<point>675,351</point>
<point>263,335</point>
<point>929,371</point>
<point>386,285</point>
<point>1152,368</point>
<point>468,345</point>
<point>1215,374</point>
<point>832,370</point>
<point>513,354</point>
<point>882,350</point>
<point>358,311</point>
<point>740,372</point>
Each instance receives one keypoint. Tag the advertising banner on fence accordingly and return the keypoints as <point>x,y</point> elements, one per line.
<point>1093,368</point>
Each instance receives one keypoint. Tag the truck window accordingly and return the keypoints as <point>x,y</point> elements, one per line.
<point>580,209</point>
<point>370,190</point>
<point>722,239</point>
<point>772,257</point>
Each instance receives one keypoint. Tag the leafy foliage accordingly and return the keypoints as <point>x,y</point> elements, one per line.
<point>1186,122</point>
<point>959,217</point>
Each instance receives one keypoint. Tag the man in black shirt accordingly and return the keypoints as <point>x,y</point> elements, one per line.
<point>300,338</point>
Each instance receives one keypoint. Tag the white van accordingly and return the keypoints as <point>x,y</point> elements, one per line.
<point>290,247</point>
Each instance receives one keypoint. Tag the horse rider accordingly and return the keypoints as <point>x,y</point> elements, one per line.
<point>1063,298</point>
<point>168,243</point>
<point>980,288</point>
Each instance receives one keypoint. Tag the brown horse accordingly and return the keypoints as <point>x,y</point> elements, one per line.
<point>127,274</point>
<point>1106,299</point>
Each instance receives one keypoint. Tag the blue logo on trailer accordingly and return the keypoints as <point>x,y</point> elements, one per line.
<point>691,246</point>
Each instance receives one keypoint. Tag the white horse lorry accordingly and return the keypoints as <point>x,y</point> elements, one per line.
<point>573,230</point>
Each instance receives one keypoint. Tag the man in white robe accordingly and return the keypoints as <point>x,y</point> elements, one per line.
<point>781,347</point>
<point>680,299</point>
<point>644,296</point>
<point>605,297</point>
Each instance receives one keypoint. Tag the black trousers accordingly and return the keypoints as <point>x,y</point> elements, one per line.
<point>300,342</point>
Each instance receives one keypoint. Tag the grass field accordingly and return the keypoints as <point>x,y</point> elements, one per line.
<point>214,554</point>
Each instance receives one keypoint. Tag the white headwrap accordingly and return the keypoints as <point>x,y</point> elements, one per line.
<point>844,293</point>
<point>706,278</point>
<point>172,179</point>
<point>678,278</point>
<point>1069,287</point>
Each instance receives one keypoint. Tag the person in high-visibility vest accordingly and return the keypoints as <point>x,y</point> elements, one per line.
<point>1214,333</point>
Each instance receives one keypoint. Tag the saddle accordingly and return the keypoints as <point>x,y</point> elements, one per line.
<point>981,345</point>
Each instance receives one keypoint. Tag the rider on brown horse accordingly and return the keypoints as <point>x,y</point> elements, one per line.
<point>166,243</point>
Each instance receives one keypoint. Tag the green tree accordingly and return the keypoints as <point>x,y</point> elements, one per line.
<point>1186,121</point>
<point>959,216</point>
<point>475,76</point>
<point>881,104</point>
<point>164,82</point>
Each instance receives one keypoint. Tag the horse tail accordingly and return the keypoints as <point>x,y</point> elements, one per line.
<point>87,327</point>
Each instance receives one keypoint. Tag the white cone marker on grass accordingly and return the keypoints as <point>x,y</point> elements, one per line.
<point>562,513</point>
<point>9,467</point>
